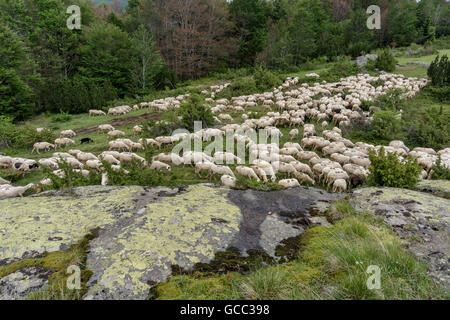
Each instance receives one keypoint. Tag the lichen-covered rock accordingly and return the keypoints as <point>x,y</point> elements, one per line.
<point>145,231</point>
<point>440,188</point>
<point>20,284</point>
<point>422,219</point>
<point>189,228</point>
<point>56,220</point>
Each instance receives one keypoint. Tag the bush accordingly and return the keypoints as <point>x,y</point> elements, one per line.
<point>12,136</point>
<point>439,171</point>
<point>441,93</point>
<point>386,61</point>
<point>195,109</point>
<point>77,95</point>
<point>164,79</point>
<point>341,69</point>
<point>429,128</point>
<point>439,72</point>
<point>240,87</point>
<point>266,80</point>
<point>387,170</point>
<point>61,117</point>
<point>8,132</point>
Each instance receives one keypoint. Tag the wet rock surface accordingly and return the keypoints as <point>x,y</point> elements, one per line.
<point>421,219</point>
<point>145,231</point>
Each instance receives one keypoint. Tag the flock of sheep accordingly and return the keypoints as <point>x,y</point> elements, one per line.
<point>313,158</point>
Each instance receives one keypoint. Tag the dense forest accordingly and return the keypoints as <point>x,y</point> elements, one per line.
<point>153,44</point>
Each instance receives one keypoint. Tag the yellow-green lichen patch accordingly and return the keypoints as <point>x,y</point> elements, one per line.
<point>184,230</point>
<point>48,223</point>
<point>418,204</point>
<point>440,188</point>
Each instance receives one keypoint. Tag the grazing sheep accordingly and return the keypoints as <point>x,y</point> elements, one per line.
<point>339,185</point>
<point>221,170</point>
<point>203,166</point>
<point>289,183</point>
<point>283,168</point>
<point>158,165</point>
<point>137,130</point>
<point>15,191</point>
<point>94,112</point>
<point>62,142</point>
<point>301,167</point>
<point>118,145</point>
<point>50,163</point>
<point>38,146</point>
<point>85,156</point>
<point>74,152</point>
<point>293,145</point>
<point>293,133</point>
<point>105,127</point>
<point>110,159</point>
<point>74,163</point>
<point>115,133</point>
<point>67,134</point>
<point>94,164</point>
<point>304,178</point>
<point>247,172</point>
<point>228,181</point>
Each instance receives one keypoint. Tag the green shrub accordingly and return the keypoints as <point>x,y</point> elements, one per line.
<point>77,95</point>
<point>439,72</point>
<point>430,128</point>
<point>195,109</point>
<point>12,136</point>
<point>61,117</point>
<point>240,87</point>
<point>439,171</point>
<point>266,80</point>
<point>341,69</point>
<point>441,93</point>
<point>387,170</point>
<point>386,61</point>
<point>8,131</point>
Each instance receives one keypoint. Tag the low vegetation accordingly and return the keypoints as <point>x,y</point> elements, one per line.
<point>387,170</point>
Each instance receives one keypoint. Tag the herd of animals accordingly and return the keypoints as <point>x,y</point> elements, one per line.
<point>313,158</point>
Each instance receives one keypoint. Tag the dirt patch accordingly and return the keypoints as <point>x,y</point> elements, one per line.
<point>119,122</point>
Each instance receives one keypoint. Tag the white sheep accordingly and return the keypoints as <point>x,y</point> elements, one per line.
<point>247,172</point>
<point>289,183</point>
<point>38,146</point>
<point>228,181</point>
<point>339,185</point>
<point>105,127</point>
<point>158,165</point>
<point>15,191</point>
<point>221,170</point>
<point>293,133</point>
<point>67,134</point>
<point>94,112</point>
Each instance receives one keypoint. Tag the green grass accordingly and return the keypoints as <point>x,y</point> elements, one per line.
<point>331,264</point>
<point>426,59</point>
